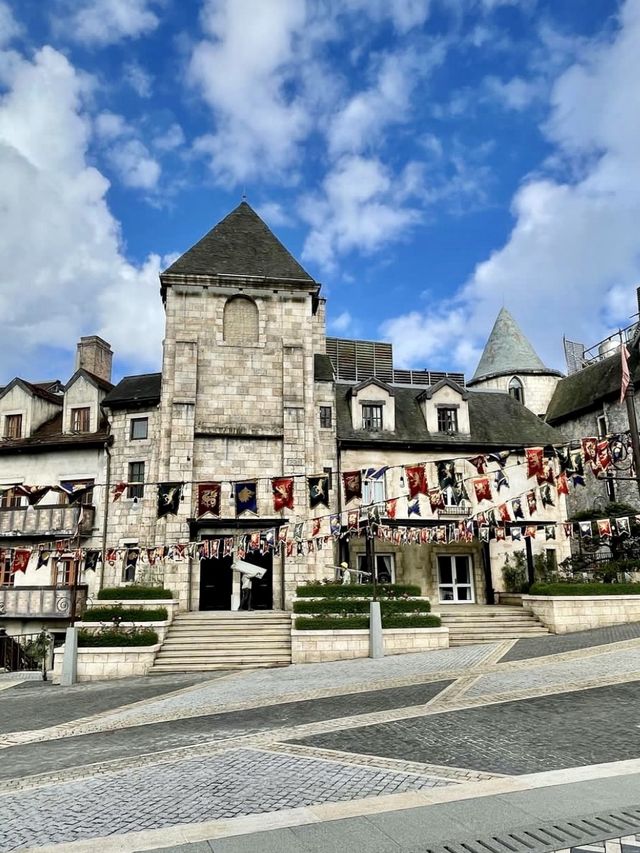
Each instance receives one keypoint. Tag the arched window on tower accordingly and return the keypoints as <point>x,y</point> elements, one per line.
<point>240,322</point>
<point>516,389</point>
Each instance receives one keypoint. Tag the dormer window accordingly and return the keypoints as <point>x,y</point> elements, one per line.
<point>80,419</point>
<point>447,420</point>
<point>516,389</point>
<point>13,426</point>
<point>372,417</point>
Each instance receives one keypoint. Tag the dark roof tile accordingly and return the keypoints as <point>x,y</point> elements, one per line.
<point>497,420</point>
<point>134,391</point>
<point>587,388</point>
<point>322,368</point>
<point>240,245</point>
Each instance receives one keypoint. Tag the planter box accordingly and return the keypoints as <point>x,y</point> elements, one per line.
<point>172,604</point>
<point>160,628</point>
<point>318,646</point>
<point>567,613</point>
<point>105,662</point>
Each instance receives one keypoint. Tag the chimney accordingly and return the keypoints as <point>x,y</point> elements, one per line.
<point>95,355</point>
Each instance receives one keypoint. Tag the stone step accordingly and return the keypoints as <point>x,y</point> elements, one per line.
<point>493,612</point>
<point>226,654</point>
<point>162,669</point>
<point>215,631</point>
<point>188,648</point>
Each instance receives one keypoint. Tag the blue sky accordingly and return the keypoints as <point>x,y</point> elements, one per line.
<point>427,160</point>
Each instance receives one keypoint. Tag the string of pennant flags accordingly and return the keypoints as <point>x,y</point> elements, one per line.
<point>597,454</point>
<point>499,521</point>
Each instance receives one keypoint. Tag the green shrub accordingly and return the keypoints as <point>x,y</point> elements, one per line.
<point>133,592</point>
<point>342,605</point>
<point>579,588</point>
<point>117,637</point>
<point>514,574</point>
<point>126,614</point>
<point>360,590</point>
<point>342,623</point>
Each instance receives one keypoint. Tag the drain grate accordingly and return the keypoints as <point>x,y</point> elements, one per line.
<point>561,835</point>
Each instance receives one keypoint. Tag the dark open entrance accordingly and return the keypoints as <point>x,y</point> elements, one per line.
<point>262,588</point>
<point>216,579</point>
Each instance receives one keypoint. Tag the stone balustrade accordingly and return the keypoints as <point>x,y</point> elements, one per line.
<point>327,645</point>
<point>567,613</point>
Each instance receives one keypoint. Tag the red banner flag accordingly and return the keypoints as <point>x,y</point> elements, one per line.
<point>282,493</point>
<point>624,355</point>
<point>417,480</point>
<point>208,499</point>
<point>535,461</point>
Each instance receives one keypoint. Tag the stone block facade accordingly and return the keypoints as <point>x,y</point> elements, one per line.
<point>319,646</point>
<point>104,663</point>
<point>565,614</point>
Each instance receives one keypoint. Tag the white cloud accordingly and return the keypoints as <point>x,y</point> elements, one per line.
<point>60,241</point>
<point>361,207</point>
<point>516,93</point>
<point>361,121</point>
<point>574,251</point>
<point>139,79</point>
<point>243,69</point>
<point>404,14</point>
<point>126,153</point>
<point>134,165</point>
<point>104,22</point>
<point>9,27</point>
<point>275,215</point>
<point>342,323</point>
<point>171,139</point>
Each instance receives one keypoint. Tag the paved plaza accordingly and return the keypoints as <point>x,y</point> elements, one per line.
<point>322,756</point>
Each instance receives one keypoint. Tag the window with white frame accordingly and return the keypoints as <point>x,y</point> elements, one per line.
<point>6,575</point>
<point>601,423</point>
<point>373,490</point>
<point>135,480</point>
<point>385,567</point>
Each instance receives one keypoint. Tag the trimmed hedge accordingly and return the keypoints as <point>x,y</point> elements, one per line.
<point>133,592</point>
<point>114,637</point>
<point>561,589</point>
<point>126,614</point>
<point>337,623</point>
<point>356,606</point>
<point>360,590</point>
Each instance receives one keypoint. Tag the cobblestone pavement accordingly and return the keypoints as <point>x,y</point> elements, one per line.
<point>36,704</point>
<point>554,644</point>
<point>70,752</point>
<point>543,733</point>
<point>237,782</point>
<point>601,664</point>
<point>268,740</point>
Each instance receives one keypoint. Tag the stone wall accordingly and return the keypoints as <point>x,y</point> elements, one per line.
<point>565,614</point>
<point>100,664</point>
<point>595,492</point>
<point>318,646</point>
<point>538,389</point>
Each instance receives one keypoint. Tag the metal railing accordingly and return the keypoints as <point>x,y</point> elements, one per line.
<point>53,520</point>
<point>25,652</point>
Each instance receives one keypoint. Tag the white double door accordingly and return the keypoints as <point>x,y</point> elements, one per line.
<point>455,579</point>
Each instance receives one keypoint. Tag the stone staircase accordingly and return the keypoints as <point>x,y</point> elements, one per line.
<point>203,641</point>
<point>486,623</point>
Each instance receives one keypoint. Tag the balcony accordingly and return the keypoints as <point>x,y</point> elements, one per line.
<point>460,511</point>
<point>52,521</point>
<point>51,602</point>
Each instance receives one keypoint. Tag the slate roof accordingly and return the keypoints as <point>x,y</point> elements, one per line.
<point>135,391</point>
<point>36,389</point>
<point>497,420</point>
<point>241,244</point>
<point>322,368</point>
<point>508,351</point>
<point>587,388</point>
<point>49,436</point>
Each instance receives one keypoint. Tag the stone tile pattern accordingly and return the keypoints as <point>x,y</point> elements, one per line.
<point>293,682</point>
<point>608,664</point>
<point>237,782</point>
<point>543,733</point>
<point>556,644</point>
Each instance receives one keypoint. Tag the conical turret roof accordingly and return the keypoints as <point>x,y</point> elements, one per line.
<point>240,245</point>
<point>508,351</point>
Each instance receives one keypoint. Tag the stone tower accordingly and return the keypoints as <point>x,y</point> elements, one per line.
<point>244,329</point>
<point>509,363</point>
